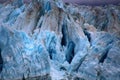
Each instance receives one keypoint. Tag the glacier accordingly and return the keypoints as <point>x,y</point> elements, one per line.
<point>52,40</point>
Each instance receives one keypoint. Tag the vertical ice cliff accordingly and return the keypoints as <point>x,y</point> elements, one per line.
<point>51,40</point>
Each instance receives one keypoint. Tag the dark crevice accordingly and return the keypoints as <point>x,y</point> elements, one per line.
<point>42,12</point>
<point>78,78</point>
<point>60,19</point>
<point>40,24</point>
<point>70,51</point>
<point>38,6</point>
<point>88,36</point>
<point>67,3</point>
<point>46,7</point>
<point>68,17</point>
<point>51,52</point>
<point>1,62</point>
<point>103,56</point>
<point>23,77</point>
<point>38,18</point>
<point>99,75</point>
<point>64,32</point>
<point>63,68</point>
<point>80,63</point>
<point>51,48</point>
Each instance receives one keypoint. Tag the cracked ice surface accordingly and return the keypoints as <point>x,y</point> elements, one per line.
<point>51,40</point>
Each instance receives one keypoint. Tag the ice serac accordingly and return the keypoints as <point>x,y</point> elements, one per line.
<point>51,40</point>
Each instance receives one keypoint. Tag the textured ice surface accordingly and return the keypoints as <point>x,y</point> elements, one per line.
<point>49,40</point>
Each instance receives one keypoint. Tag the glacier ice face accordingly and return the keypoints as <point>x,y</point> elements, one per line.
<point>49,40</point>
<point>19,60</point>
